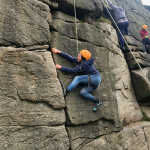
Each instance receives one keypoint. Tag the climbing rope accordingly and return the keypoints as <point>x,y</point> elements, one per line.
<point>119,32</point>
<point>131,15</point>
<point>127,44</point>
<point>76,26</point>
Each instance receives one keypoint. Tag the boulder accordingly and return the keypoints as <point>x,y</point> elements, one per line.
<point>108,31</point>
<point>24,23</point>
<point>63,27</point>
<point>133,41</point>
<point>142,58</point>
<point>128,107</point>
<point>91,34</point>
<point>141,84</point>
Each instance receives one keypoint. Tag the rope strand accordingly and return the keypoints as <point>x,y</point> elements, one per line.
<point>127,45</point>
<point>76,25</point>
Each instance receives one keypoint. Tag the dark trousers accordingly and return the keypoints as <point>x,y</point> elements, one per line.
<point>123,26</point>
<point>146,41</point>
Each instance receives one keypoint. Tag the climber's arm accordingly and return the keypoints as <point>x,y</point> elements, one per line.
<point>64,55</point>
<point>112,5</point>
<point>70,70</point>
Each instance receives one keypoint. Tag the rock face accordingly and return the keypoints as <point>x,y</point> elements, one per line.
<point>30,91</point>
<point>34,114</point>
<point>140,78</point>
<point>24,22</point>
<point>83,7</point>
<point>134,136</point>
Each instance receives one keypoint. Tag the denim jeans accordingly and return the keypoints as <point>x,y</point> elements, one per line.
<point>84,92</point>
<point>146,41</point>
<point>123,26</point>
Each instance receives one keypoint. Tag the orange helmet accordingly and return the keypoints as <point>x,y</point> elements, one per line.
<point>144,27</point>
<point>86,54</point>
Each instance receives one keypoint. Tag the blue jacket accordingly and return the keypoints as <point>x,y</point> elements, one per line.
<point>83,68</point>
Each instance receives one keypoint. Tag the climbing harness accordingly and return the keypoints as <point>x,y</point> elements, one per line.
<point>127,44</point>
<point>76,26</point>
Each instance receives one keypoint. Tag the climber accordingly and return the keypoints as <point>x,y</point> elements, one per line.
<point>121,20</point>
<point>145,38</point>
<point>89,75</point>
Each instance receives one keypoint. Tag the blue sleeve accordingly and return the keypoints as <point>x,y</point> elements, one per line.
<point>71,70</point>
<point>112,5</point>
<point>68,57</point>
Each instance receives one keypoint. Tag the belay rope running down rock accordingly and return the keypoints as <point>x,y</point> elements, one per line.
<point>119,32</point>
<point>63,89</point>
<point>127,44</point>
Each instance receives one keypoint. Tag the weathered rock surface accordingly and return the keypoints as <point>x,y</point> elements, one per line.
<point>136,14</point>
<point>140,78</point>
<point>82,7</point>
<point>141,84</point>
<point>118,76</point>
<point>132,41</point>
<point>52,4</point>
<point>33,112</point>
<point>128,108</point>
<point>79,113</point>
<point>29,92</point>
<point>146,110</point>
<point>24,22</point>
<point>132,137</point>
<point>79,136</point>
<point>86,32</point>
<point>142,58</point>
<point>33,74</point>
<point>108,31</point>
<point>40,137</point>
<point>63,17</point>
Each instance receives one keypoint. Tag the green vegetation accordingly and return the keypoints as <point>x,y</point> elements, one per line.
<point>119,137</point>
<point>145,118</point>
<point>113,51</point>
<point>104,19</point>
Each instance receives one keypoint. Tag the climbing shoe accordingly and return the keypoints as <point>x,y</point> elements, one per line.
<point>65,91</point>
<point>97,106</point>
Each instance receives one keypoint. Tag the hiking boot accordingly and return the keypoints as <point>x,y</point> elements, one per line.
<point>97,106</point>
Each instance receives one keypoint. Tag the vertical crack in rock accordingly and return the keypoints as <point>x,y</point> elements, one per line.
<point>146,138</point>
